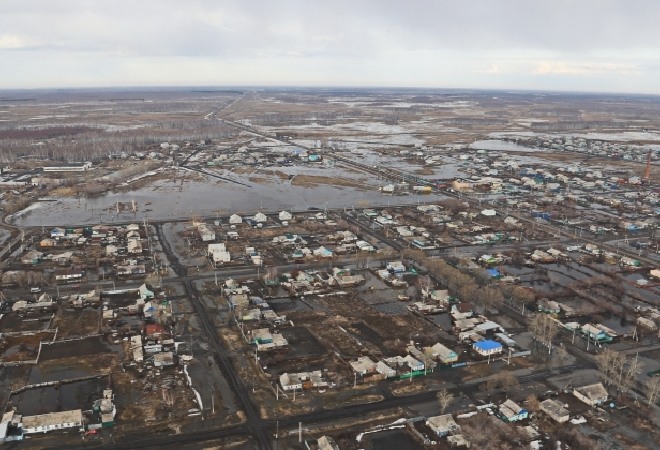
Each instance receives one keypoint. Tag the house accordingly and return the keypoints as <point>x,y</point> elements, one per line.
<point>548,306</point>
<point>131,269</point>
<point>291,382</point>
<point>554,410</point>
<point>163,359</point>
<point>412,363</point>
<point>302,380</point>
<point>458,440</point>
<point>509,411</point>
<point>384,369</point>
<point>592,395</point>
<point>32,257</point>
<point>62,258</point>
<point>363,366</point>
<point>443,425</point>
<point>205,233</point>
<point>444,354</point>
<point>44,423</point>
<point>260,217</point>
<point>322,252</point>
<point>595,334</point>
<point>395,266</point>
<point>327,443</point>
<point>487,347</point>
<point>235,219</point>
<point>364,246</point>
<point>647,323</point>
<point>68,275</point>
<point>154,331</point>
<point>218,253</point>
<point>284,216</point>
<point>57,232</point>
<point>134,247</point>
<point>145,293</point>
<point>47,242</point>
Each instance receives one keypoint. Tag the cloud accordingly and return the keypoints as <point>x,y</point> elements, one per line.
<point>11,42</point>
<point>343,42</point>
<point>564,68</point>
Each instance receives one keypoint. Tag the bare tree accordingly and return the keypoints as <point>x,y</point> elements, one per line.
<point>424,284</point>
<point>532,403</point>
<point>562,354</point>
<point>543,328</point>
<point>634,367</point>
<point>444,399</point>
<point>608,363</point>
<point>652,389</point>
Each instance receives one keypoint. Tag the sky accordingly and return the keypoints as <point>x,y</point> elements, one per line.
<point>564,45</point>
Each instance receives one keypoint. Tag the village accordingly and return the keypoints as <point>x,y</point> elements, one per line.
<point>327,284</point>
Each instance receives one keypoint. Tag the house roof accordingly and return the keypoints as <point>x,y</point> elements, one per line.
<point>443,423</point>
<point>152,329</point>
<point>553,408</point>
<point>487,344</point>
<point>593,391</point>
<point>510,409</point>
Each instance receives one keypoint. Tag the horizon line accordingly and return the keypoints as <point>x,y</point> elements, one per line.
<point>323,87</point>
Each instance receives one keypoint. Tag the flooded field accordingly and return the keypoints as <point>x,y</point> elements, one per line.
<point>390,439</point>
<point>80,394</point>
<point>93,345</point>
<point>172,199</point>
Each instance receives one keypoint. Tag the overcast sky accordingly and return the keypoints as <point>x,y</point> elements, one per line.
<point>575,45</point>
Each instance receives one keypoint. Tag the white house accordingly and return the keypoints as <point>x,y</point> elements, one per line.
<point>444,354</point>
<point>235,219</point>
<point>291,382</point>
<point>57,232</point>
<point>285,216</point>
<point>260,217</point>
<point>592,395</point>
<point>384,369</point>
<point>218,253</point>
<point>44,423</point>
<point>363,366</point>
<point>395,266</point>
<point>443,425</point>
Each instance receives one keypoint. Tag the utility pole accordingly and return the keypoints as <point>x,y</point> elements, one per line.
<point>213,399</point>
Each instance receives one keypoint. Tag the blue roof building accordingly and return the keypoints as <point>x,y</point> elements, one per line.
<point>487,347</point>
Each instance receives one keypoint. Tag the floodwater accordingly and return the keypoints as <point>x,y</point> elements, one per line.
<point>4,235</point>
<point>386,440</point>
<point>498,145</point>
<point>175,199</point>
<point>80,394</point>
